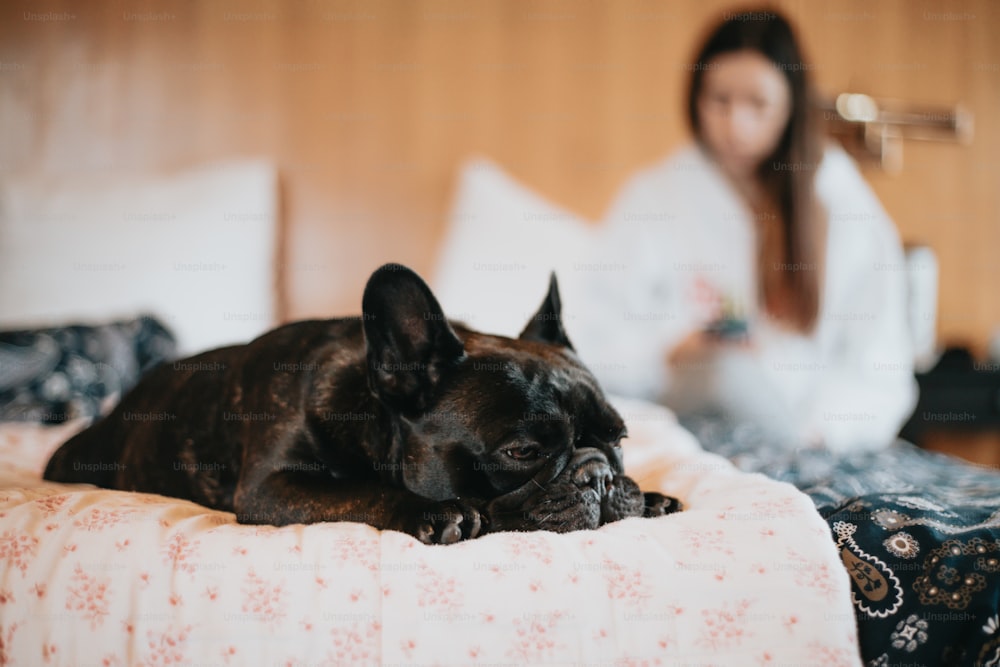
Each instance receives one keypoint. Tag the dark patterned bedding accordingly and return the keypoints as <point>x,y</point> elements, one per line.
<point>919,534</point>
<point>57,374</point>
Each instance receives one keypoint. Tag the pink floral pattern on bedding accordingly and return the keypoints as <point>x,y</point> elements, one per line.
<point>17,550</point>
<point>746,575</point>
<point>88,596</point>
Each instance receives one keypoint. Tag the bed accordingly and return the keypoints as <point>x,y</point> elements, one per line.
<point>746,575</point>
<point>751,573</point>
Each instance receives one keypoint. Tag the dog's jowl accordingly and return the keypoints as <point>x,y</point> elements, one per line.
<point>399,419</point>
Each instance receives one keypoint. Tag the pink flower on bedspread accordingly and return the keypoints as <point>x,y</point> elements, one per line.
<point>627,584</point>
<point>266,601</point>
<point>50,505</point>
<point>530,546</point>
<point>356,645</point>
<point>357,551</point>
<point>725,627</point>
<point>17,549</point>
<point>627,661</point>
<point>535,640</point>
<point>812,575</point>
<point>166,648</point>
<point>702,542</point>
<point>98,519</point>
<point>39,589</point>
<point>6,637</point>
<point>438,590</point>
<point>781,508</point>
<point>830,656</point>
<point>89,596</point>
<point>791,622</point>
<point>180,552</point>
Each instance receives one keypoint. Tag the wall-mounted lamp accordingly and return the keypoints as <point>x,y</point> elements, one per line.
<point>880,125</point>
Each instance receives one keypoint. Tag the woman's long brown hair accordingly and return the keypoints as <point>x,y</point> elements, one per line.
<point>790,266</point>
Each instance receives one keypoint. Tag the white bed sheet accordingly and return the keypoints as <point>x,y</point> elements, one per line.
<point>746,575</point>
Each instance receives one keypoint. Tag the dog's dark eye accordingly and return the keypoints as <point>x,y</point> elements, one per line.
<point>525,453</point>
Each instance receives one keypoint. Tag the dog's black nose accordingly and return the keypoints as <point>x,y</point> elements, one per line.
<point>591,468</point>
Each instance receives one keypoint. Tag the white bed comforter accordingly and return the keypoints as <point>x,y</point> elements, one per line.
<point>747,575</point>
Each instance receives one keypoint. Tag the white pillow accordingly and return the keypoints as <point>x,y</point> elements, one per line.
<point>194,248</point>
<point>502,243</point>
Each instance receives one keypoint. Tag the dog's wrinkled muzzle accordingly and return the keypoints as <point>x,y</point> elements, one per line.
<point>572,496</point>
<point>518,498</point>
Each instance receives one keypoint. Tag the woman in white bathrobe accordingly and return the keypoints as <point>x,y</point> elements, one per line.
<point>757,223</point>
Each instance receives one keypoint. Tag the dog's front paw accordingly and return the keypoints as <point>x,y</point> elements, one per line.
<point>657,504</point>
<point>448,522</point>
<point>624,499</point>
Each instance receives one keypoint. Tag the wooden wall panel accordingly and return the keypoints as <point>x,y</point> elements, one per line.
<point>369,107</point>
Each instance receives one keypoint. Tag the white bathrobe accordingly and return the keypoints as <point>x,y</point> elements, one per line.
<point>678,233</point>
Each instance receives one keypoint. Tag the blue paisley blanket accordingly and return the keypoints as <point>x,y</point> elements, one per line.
<point>919,534</point>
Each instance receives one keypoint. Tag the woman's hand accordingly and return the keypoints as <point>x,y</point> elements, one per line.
<point>699,345</point>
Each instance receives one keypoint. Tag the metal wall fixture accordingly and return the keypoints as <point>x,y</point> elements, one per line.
<point>878,126</point>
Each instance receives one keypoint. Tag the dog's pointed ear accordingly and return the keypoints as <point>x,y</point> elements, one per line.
<point>546,326</point>
<point>408,341</point>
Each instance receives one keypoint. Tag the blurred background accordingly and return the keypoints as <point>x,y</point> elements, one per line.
<point>367,109</point>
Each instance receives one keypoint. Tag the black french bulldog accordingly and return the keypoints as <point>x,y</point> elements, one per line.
<point>398,419</point>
